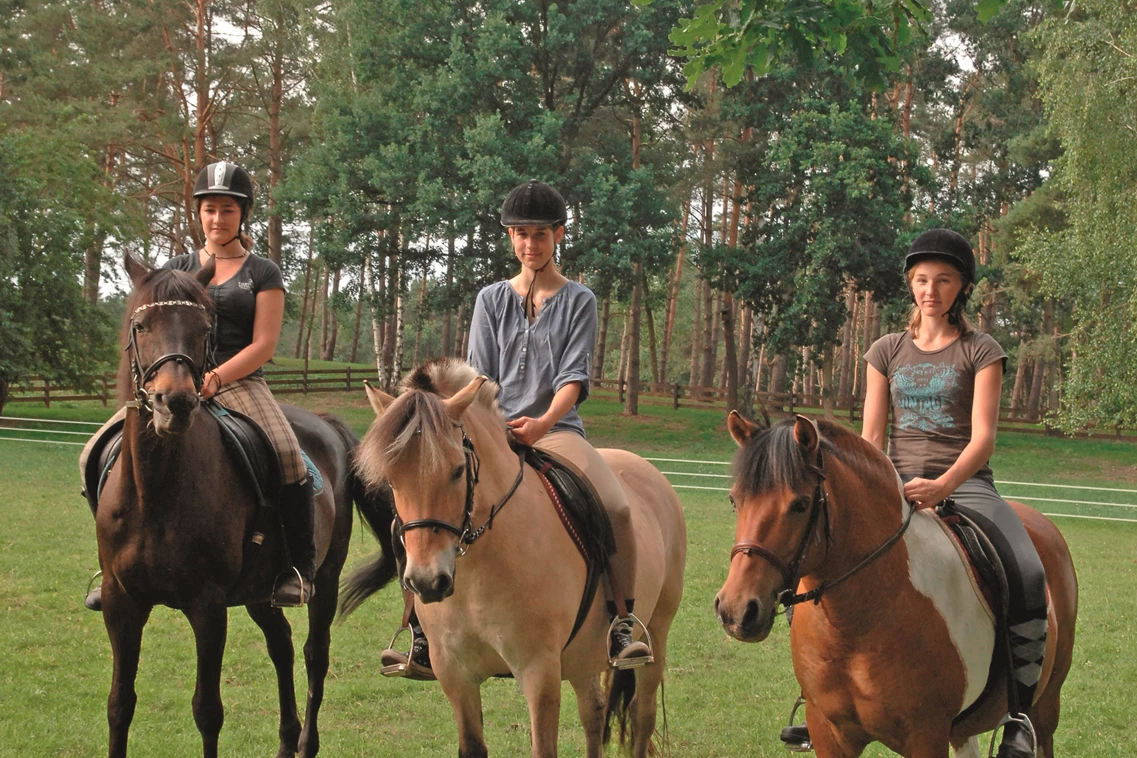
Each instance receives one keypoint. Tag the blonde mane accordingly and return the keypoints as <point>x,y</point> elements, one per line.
<point>417,422</point>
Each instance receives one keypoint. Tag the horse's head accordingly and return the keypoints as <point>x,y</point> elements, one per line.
<point>780,499</point>
<point>166,334</point>
<point>418,444</point>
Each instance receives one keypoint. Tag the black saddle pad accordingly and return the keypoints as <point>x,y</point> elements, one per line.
<point>244,440</point>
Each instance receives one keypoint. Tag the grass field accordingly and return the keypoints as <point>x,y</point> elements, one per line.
<point>723,698</point>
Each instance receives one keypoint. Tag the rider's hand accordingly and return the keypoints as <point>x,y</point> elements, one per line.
<point>926,493</point>
<point>528,430</point>
<point>210,385</point>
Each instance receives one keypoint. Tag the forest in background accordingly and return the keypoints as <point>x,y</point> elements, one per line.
<point>747,238</point>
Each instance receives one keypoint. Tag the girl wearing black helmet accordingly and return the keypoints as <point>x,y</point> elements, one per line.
<point>248,294</point>
<point>534,335</point>
<point>942,381</point>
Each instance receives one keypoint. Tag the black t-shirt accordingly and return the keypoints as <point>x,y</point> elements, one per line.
<point>235,301</point>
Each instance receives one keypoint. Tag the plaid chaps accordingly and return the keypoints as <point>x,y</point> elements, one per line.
<point>252,397</point>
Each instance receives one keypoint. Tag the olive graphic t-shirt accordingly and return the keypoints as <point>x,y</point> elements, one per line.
<point>931,393</point>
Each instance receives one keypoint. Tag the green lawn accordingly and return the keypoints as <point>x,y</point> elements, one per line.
<point>723,698</point>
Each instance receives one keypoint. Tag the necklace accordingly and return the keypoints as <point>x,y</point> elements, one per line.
<point>226,257</point>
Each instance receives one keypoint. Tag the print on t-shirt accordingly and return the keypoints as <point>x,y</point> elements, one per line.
<point>925,393</point>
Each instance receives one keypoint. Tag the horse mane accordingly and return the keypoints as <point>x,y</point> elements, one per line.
<point>418,422</point>
<point>773,459</point>
<point>156,286</point>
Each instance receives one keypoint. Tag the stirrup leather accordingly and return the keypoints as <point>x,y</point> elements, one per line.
<point>1021,718</point>
<point>407,668</point>
<point>804,747</point>
<point>305,591</point>
<point>620,664</point>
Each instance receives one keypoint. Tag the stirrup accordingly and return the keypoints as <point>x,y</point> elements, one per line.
<point>91,584</point>
<point>305,591</point>
<point>407,667</point>
<point>803,747</point>
<point>90,587</point>
<point>621,664</point>
<point>1021,718</point>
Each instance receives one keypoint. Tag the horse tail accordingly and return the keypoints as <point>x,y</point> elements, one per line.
<point>377,511</point>
<point>621,688</point>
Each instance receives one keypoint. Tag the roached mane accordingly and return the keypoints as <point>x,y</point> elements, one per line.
<point>417,422</point>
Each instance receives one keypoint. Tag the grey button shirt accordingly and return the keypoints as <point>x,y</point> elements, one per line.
<point>532,362</point>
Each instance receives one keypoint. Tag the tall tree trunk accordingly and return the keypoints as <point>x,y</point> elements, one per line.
<point>655,375</point>
<point>400,324</point>
<point>330,347</point>
<point>828,396</point>
<point>420,319</point>
<point>324,309</point>
<point>447,332</point>
<point>359,309</point>
<point>753,367</point>
<point>376,320</point>
<point>622,370</point>
<point>746,346</point>
<point>710,336</point>
<point>730,359</point>
<point>847,355</point>
<point>697,333</point>
<point>1020,377</point>
<point>275,148</point>
<point>463,336</point>
<point>632,399</point>
<point>673,293</point>
<point>307,280</point>
<point>602,340</point>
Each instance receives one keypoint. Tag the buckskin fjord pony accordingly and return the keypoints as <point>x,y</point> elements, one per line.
<point>898,643</point>
<point>175,518</point>
<point>508,606</point>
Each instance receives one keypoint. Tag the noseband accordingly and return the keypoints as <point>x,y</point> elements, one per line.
<point>140,377</point>
<point>819,511</point>
<point>465,532</point>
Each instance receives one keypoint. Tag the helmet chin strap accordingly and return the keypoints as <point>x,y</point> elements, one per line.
<point>528,304</point>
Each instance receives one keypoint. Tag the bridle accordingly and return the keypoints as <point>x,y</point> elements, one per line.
<point>140,377</point>
<point>465,532</point>
<point>818,513</point>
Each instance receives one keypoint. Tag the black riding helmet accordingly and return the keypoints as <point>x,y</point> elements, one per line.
<point>534,203</point>
<point>224,178</point>
<point>946,245</point>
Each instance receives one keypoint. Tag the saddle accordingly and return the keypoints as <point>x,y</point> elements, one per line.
<point>245,442</point>
<point>584,518</point>
<point>990,581</point>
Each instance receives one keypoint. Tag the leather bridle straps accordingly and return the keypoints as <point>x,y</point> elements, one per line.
<point>139,376</point>
<point>465,532</point>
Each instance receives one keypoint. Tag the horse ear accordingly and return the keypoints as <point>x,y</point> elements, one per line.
<point>379,399</point>
<point>457,404</point>
<point>806,434</point>
<point>206,272</point>
<point>742,429</point>
<point>135,268</point>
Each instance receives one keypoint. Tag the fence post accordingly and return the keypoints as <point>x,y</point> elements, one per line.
<point>304,381</point>
<point>349,378</point>
<point>46,392</point>
<point>621,392</point>
<point>675,396</point>
<point>106,389</point>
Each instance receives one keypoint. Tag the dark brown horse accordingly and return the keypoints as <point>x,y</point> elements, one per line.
<point>175,518</point>
<point>898,642</point>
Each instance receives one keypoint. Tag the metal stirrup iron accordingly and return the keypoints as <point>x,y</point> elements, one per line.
<point>620,664</point>
<point>1021,718</point>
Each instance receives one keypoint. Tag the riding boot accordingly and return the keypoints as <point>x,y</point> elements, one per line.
<point>1027,642</point>
<point>94,599</point>
<point>624,651</point>
<point>796,738</point>
<point>414,664</point>
<point>295,587</point>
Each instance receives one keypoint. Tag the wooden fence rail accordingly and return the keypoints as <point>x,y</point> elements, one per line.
<point>349,379</point>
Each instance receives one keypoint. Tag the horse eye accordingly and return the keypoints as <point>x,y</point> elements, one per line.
<point>458,471</point>
<point>139,328</point>
<point>800,505</point>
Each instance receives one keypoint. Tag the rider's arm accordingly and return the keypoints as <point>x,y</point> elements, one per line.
<point>529,430</point>
<point>984,420</point>
<point>876,407</point>
<point>266,333</point>
<point>483,352</point>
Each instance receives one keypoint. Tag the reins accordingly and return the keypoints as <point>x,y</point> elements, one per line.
<point>466,534</point>
<point>819,510</point>
<point>140,377</point>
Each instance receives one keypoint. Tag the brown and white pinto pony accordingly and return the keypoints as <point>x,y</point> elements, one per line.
<point>895,652</point>
<point>503,601</point>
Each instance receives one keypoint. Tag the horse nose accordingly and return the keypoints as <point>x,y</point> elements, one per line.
<point>750,617</point>
<point>181,404</point>
<point>442,586</point>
